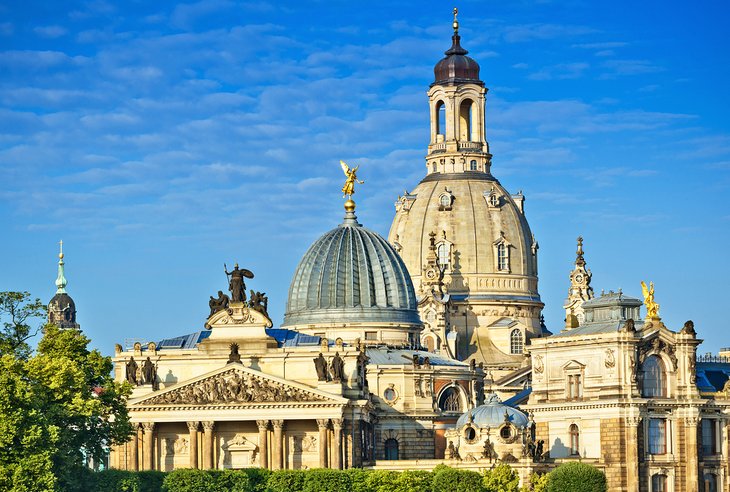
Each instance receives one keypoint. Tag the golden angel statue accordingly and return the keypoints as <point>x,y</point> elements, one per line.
<point>349,187</point>
<point>652,308</point>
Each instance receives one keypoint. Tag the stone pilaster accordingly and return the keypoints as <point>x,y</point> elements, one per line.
<point>323,424</point>
<point>193,437</point>
<point>632,455</point>
<point>148,445</point>
<point>337,446</point>
<point>278,447</point>
<point>690,453</point>
<point>208,445</point>
<point>263,443</point>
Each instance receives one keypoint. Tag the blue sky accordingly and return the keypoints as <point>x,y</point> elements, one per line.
<point>160,140</point>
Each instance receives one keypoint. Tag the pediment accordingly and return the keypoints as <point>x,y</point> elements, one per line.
<point>236,385</point>
<point>573,365</point>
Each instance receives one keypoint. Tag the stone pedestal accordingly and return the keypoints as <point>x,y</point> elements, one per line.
<point>263,443</point>
<point>193,437</point>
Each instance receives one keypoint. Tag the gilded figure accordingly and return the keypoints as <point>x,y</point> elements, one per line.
<point>652,308</point>
<point>348,189</point>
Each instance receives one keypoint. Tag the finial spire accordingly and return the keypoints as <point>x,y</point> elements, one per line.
<point>456,21</point>
<point>61,280</point>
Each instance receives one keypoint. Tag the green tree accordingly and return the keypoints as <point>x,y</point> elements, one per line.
<point>576,477</point>
<point>57,405</point>
<point>502,478</point>
<point>16,312</point>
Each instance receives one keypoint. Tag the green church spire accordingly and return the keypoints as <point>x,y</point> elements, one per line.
<point>61,280</point>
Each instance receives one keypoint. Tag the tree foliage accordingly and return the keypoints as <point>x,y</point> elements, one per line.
<point>576,477</point>
<point>58,405</point>
<point>502,478</point>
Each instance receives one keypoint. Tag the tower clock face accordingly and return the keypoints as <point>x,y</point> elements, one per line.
<point>430,274</point>
<point>579,278</point>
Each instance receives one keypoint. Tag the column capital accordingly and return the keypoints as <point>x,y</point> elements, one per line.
<point>262,424</point>
<point>208,425</point>
<point>278,424</point>
<point>193,426</point>
<point>323,423</point>
<point>633,421</point>
<point>148,427</point>
<point>692,421</point>
<point>337,424</point>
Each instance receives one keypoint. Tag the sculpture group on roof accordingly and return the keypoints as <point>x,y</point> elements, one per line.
<point>258,301</point>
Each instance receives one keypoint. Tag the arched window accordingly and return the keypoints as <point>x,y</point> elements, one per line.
<point>574,440</point>
<point>516,342</point>
<point>655,379</point>
<point>450,401</point>
<point>430,344</point>
<point>433,166</point>
<point>465,120</point>
<point>445,200</point>
<point>502,257</point>
<point>658,483</point>
<point>442,252</point>
<point>473,165</point>
<point>391,449</point>
<point>440,119</point>
<point>710,480</point>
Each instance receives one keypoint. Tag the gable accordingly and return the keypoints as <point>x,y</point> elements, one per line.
<point>236,385</point>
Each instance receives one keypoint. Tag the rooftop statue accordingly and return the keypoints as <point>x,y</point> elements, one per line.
<point>218,304</point>
<point>652,308</point>
<point>236,284</point>
<point>348,189</point>
<point>259,302</point>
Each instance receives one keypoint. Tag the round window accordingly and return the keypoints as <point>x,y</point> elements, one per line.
<point>470,434</point>
<point>389,394</point>
<point>505,432</point>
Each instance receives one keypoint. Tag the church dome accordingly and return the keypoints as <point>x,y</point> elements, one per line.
<point>493,414</point>
<point>351,275</point>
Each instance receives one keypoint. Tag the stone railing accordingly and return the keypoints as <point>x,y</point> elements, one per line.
<point>713,358</point>
<point>470,146</point>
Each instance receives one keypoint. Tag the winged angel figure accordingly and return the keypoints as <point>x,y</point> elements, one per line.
<point>349,187</point>
<point>652,308</point>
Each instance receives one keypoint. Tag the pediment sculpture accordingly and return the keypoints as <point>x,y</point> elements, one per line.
<point>234,387</point>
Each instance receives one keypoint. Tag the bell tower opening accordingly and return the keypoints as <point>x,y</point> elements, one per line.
<point>466,132</point>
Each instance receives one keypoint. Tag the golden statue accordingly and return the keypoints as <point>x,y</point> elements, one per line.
<point>349,187</point>
<point>652,308</point>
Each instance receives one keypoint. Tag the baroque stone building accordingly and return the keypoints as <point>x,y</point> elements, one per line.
<point>398,354</point>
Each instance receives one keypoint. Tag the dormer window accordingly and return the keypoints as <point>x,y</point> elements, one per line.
<point>517,344</point>
<point>446,200</point>
<point>502,257</point>
<point>443,254</point>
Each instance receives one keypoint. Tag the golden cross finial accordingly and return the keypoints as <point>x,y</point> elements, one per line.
<point>60,254</point>
<point>456,22</point>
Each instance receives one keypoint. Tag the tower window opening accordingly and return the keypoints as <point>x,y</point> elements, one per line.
<point>517,344</point>
<point>473,165</point>
<point>465,120</point>
<point>445,200</point>
<point>440,120</point>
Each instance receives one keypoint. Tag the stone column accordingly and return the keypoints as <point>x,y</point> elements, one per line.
<point>690,429</point>
<point>133,449</point>
<point>263,443</point>
<point>278,447</point>
<point>148,445</point>
<point>208,445</point>
<point>632,456</point>
<point>193,429</point>
<point>323,438</point>
<point>337,446</point>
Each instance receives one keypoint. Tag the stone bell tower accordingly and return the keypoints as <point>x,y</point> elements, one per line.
<point>61,308</point>
<point>580,289</point>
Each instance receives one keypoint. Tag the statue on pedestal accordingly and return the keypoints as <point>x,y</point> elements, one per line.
<point>132,371</point>
<point>337,367</point>
<point>320,365</point>
<point>236,284</point>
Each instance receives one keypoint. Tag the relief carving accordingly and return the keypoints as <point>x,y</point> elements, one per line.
<point>234,387</point>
